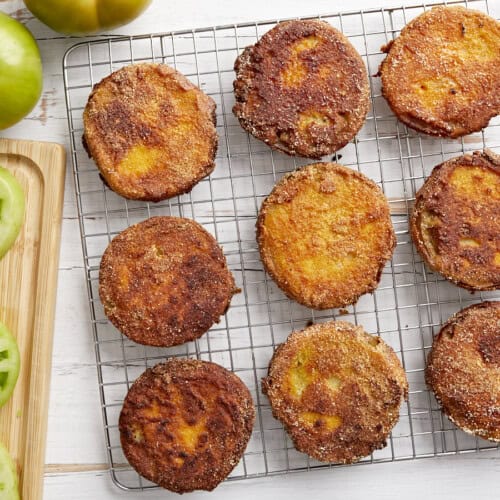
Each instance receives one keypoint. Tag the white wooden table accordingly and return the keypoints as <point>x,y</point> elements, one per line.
<point>76,463</point>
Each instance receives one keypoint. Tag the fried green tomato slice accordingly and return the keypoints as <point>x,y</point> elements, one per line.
<point>165,281</point>
<point>150,131</point>
<point>463,369</point>
<point>455,223</point>
<point>440,76</point>
<point>325,235</point>
<point>337,390</point>
<point>302,89</point>
<point>185,424</point>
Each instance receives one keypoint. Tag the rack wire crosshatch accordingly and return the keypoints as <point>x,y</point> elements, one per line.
<point>407,308</point>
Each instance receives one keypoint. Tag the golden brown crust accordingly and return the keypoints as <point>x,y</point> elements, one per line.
<point>302,89</point>
<point>440,76</point>
<point>164,281</point>
<point>325,234</point>
<point>337,390</point>
<point>463,369</point>
<point>150,131</point>
<point>186,423</point>
<point>455,223</point>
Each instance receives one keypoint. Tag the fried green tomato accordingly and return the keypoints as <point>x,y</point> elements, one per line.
<point>185,424</point>
<point>325,234</point>
<point>337,391</point>
<point>150,131</point>
<point>455,223</point>
<point>164,281</point>
<point>302,89</point>
<point>463,369</point>
<point>440,76</point>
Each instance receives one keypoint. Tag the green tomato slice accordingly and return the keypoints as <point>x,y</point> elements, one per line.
<point>9,484</point>
<point>11,211</point>
<point>9,365</point>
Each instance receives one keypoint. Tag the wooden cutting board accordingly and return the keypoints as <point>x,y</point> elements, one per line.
<point>28,282</point>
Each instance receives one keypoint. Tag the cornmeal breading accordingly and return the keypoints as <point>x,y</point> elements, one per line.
<point>463,369</point>
<point>455,223</point>
<point>186,423</point>
<point>440,75</point>
<point>325,234</point>
<point>150,131</point>
<point>164,281</point>
<point>302,89</point>
<point>337,390</point>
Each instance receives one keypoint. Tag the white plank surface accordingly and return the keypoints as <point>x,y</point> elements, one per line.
<point>75,436</point>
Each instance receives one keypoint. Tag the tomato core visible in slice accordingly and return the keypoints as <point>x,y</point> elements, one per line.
<point>9,365</point>
<point>9,489</point>
<point>12,206</point>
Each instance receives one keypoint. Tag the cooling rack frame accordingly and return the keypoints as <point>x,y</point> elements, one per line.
<point>406,310</point>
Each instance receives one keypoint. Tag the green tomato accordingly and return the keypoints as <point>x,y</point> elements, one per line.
<point>11,210</point>
<point>9,365</point>
<point>85,16</point>
<point>9,483</point>
<point>20,71</point>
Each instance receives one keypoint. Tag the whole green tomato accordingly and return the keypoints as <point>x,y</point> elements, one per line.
<point>20,71</point>
<point>85,16</point>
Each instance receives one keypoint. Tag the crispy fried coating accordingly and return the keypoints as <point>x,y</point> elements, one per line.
<point>164,281</point>
<point>337,390</point>
<point>302,89</point>
<point>440,76</point>
<point>150,131</point>
<point>325,234</point>
<point>463,369</point>
<point>186,423</point>
<point>455,223</point>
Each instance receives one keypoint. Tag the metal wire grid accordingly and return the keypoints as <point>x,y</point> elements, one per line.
<point>408,307</point>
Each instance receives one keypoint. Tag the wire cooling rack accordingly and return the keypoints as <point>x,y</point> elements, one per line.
<point>407,308</point>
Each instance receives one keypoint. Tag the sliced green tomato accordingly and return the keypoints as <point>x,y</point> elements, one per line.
<point>11,212</point>
<point>9,486</point>
<point>9,365</point>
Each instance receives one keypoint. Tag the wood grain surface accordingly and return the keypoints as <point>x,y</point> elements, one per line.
<point>28,280</point>
<point>76,454</point>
